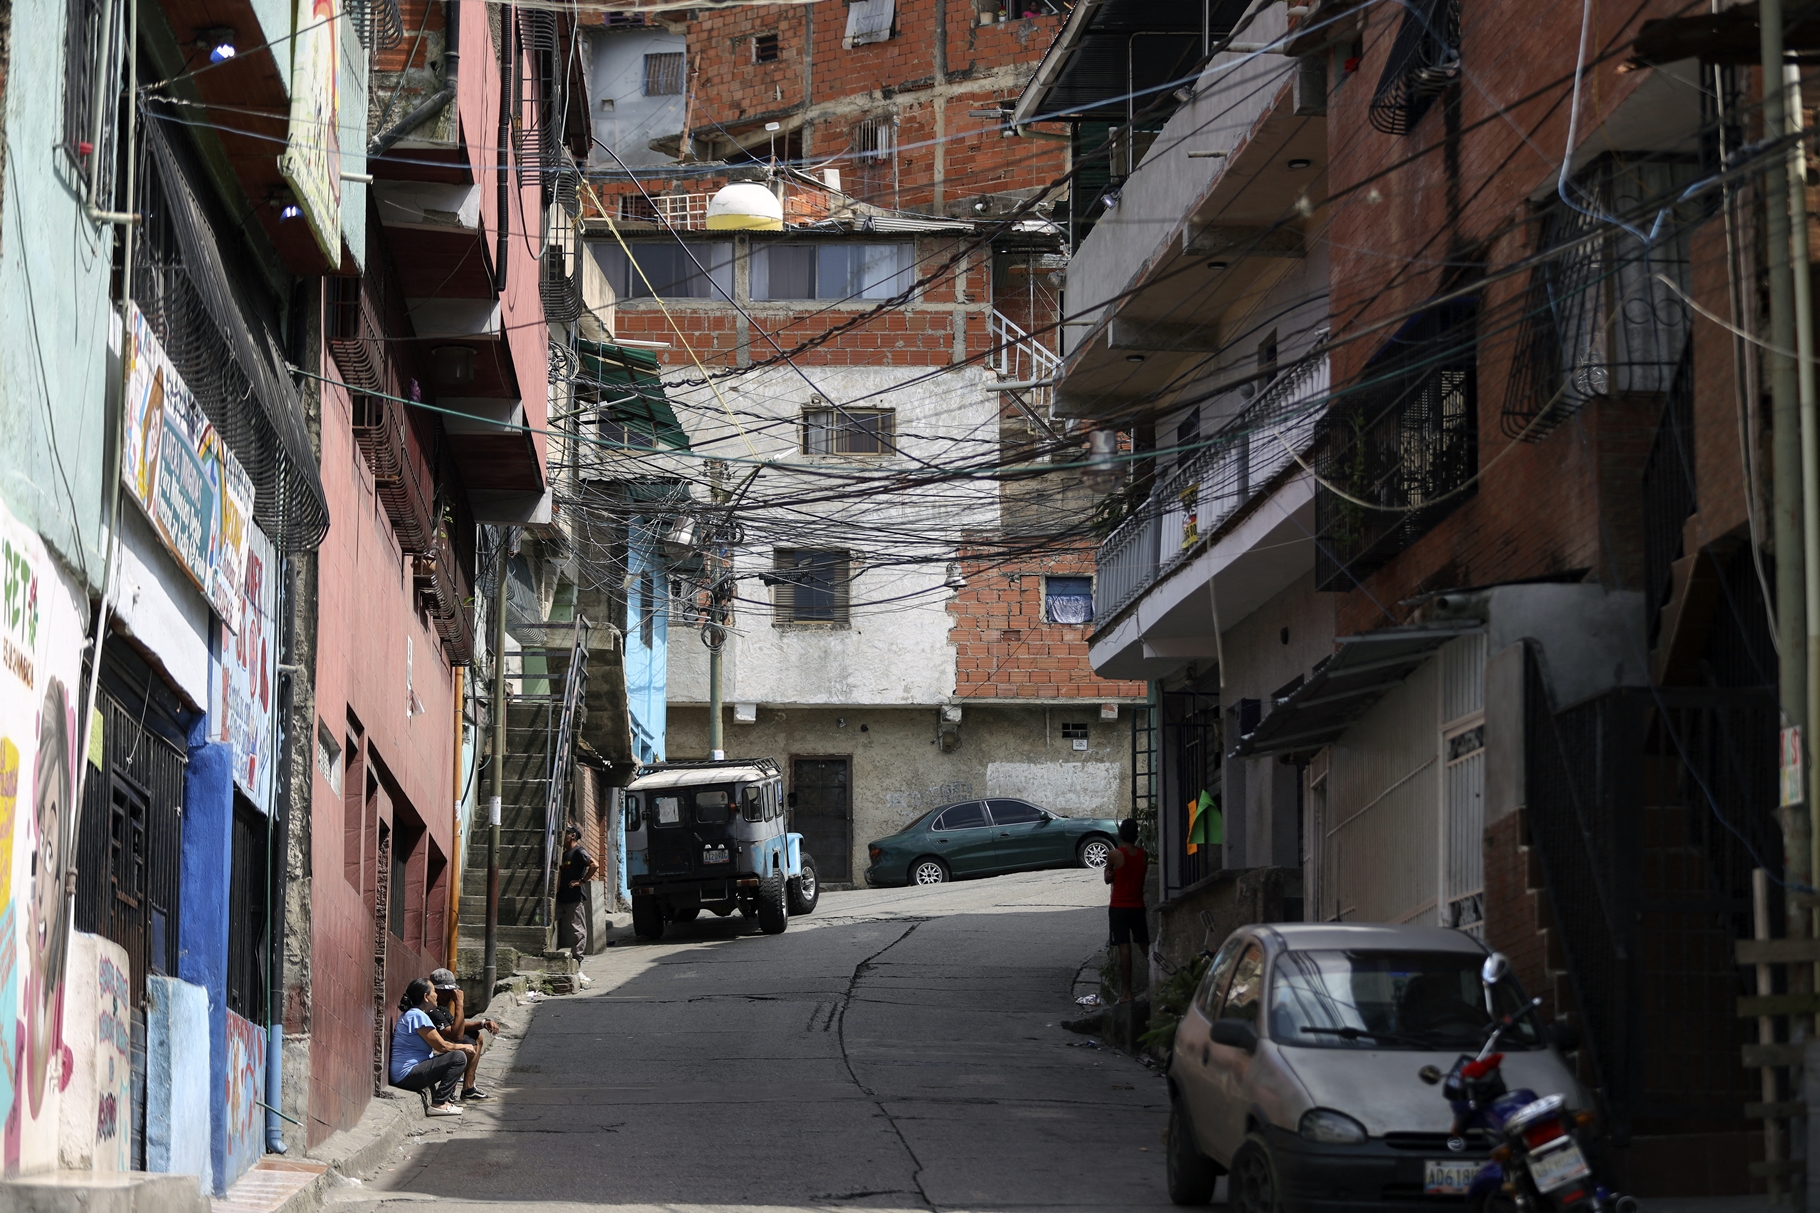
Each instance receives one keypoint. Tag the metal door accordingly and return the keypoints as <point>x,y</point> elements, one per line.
<point>823,815</point>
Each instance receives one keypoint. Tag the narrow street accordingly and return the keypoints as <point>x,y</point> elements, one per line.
<point>899,1049</point>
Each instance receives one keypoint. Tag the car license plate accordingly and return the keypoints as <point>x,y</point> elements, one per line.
<point>1558,1167</point>
<point>1450,1176</point>
<point>714,855</point>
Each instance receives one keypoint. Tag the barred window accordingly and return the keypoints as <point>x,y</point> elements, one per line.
<point>1597,320</point>
<point>809,586</point>
<point>1068,600</point>
<point>664,74</point>
<point>91,51</point>
<point>1405,438</point>
<point>832,431</point>
<point>1424,61</point>
<point>764,48</point>
<point>872,175</point>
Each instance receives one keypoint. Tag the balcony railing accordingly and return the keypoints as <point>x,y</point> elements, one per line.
<point>1197,499</point>
<point>1017,357</point>
<point>683,212</point>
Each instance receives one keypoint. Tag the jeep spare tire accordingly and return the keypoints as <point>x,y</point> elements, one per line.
<point>773,908</point>
<point>647,917</point>
<point>805,891</point>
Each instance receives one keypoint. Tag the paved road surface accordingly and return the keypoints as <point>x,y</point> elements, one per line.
<point>899,1049</point>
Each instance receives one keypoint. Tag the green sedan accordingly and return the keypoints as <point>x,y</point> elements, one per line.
<point>986,838</point>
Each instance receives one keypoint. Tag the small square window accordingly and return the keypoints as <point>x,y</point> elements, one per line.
<point>810,586</point>
<point>764,48</point>
<point>664,74</point>
<point>831,431</point>
<point>1068,600</point>
<point>1074,732</point>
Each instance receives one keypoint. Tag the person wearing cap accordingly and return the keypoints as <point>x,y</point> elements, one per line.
<point>423,1059</point>
<point>451,1018</point>
<point>578,867</point>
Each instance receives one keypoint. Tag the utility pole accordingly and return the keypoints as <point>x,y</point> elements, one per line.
<point>1791,434</point>
<point>491,963</point>
<point>717,746</point>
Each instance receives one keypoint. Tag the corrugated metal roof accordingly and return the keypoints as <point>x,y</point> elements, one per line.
<point>1345,687</point>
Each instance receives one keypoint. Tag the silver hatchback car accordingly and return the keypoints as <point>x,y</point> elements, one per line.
<point>1295,1071</point>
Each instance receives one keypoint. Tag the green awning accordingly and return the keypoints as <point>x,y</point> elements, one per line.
<point>626,382</point>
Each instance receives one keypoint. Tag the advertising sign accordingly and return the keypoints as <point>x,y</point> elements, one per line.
<point>312,159</point>
<point>183,476</point>
<point>240,694</point>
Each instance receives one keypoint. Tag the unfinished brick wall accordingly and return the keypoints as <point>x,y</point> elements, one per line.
<point>1003,646</point>
<point>1409,216</point>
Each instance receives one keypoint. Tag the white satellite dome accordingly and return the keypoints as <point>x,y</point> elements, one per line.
<point>745,206</point>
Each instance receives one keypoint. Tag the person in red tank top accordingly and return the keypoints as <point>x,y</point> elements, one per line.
<point>1126,868</point>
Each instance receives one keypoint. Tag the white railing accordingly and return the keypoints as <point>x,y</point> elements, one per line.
<point>1017,357</point>
<point>1198,499</point>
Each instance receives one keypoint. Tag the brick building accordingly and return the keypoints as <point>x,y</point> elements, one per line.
<point>1437,542</point>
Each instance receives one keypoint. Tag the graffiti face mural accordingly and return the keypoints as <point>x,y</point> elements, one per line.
<point>51,795</point>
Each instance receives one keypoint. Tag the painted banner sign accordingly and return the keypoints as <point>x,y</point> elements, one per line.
<point>183,476</point>
<point>312,159</point>
<point>240,694</point>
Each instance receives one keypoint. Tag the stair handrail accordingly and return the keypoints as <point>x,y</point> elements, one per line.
<point>562,756</point>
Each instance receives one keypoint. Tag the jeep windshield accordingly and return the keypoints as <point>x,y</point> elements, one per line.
<point>1389,1000</point>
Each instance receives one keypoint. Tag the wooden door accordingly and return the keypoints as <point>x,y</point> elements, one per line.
<point>823,815</point>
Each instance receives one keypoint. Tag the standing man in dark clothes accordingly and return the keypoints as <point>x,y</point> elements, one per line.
<point>577,868</point>
<point>450,1016</point>
<point>1126,868</point>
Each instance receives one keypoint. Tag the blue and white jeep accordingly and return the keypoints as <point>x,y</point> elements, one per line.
<point>713,836</point>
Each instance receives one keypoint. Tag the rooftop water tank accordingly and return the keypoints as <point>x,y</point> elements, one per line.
<point>745,206</point>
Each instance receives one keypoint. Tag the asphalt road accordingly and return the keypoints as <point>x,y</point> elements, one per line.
<point>898,1049</point>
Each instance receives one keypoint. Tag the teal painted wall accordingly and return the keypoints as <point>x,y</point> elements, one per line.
<point>54,309</point>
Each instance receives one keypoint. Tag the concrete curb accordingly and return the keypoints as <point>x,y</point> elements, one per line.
<point>102,1192</point>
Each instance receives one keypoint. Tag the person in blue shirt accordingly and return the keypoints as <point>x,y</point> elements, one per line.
<point>421,1059</point>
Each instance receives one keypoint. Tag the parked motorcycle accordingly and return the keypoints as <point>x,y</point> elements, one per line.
<point>1541,1164</point>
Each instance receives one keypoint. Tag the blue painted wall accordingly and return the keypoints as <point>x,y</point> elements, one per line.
<point>177,1087</point>
<point>647,666</point>
<point>202,930</point>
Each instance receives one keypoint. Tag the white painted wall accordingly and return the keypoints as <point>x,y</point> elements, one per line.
<point>624,118</point>
<point>895,651</point>
<point>1231,95</point>
<point>1078,789</point>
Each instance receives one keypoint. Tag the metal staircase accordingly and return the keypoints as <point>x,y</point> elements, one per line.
<point>546,696</point>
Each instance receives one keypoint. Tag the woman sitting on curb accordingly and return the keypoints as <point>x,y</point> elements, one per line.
<point>422,1060</point>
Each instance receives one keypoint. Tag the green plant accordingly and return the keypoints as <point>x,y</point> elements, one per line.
<point>1172,999</point>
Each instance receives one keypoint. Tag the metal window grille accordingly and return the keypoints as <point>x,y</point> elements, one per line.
<point>873,146</point>
<point>664,74</point>
<point>1406,439</point>
<point>1424,61</point>
<point>91,51</point>
<point>247,982</point>
<point>1596,319</point>
<point>221,337</point>
<point>765,48</point>
<point>849,432</point>
<point>377,23</point>
<point>537,124</point>
<point>129,855</point>
<point>810,586</point>
<point>1074,732</point>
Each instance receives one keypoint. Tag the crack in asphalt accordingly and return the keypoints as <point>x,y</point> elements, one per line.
<point>839,1018</point>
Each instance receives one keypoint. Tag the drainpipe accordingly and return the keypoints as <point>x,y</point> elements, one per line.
<point>277,864</point>
<point>451,69</point>
<point>506,60</point>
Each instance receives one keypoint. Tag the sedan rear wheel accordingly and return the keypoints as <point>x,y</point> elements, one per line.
<point>1093,852</point>
<point>929,871</point>
<point>1253,1182</point>
<point>1190,1173</point>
